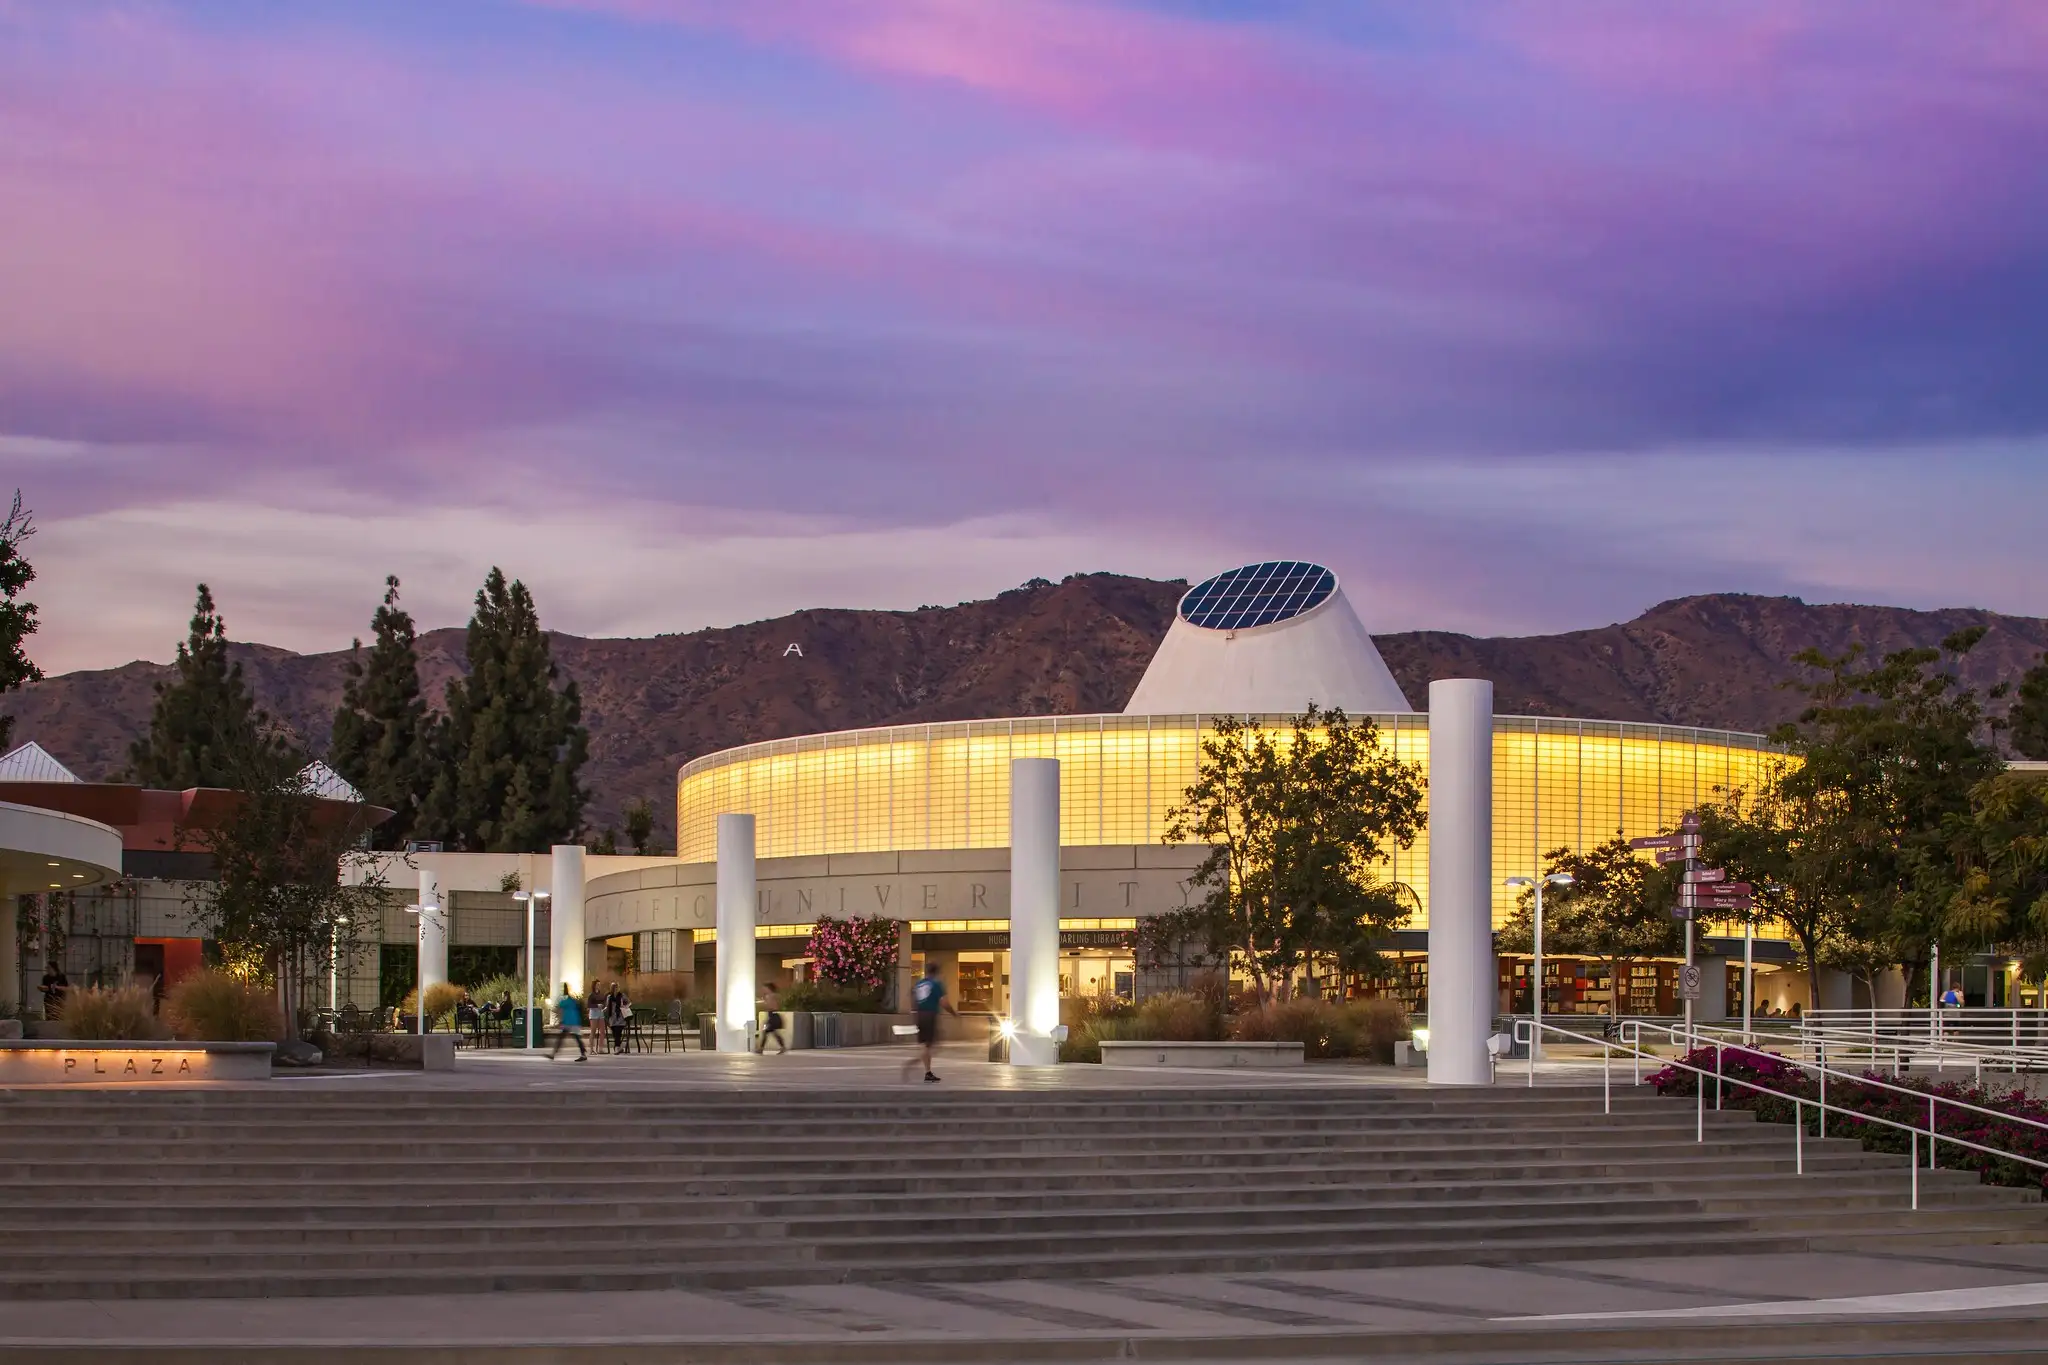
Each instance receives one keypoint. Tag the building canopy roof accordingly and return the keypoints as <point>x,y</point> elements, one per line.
<point>33,763</point>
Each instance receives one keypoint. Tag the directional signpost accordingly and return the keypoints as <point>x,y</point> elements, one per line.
<point>1702,889</point>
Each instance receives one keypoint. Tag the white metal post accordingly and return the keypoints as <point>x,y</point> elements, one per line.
<point>1536,983</point>
<point>1748,977</point>
<point>1934,999</point>
<point>1034,911</point>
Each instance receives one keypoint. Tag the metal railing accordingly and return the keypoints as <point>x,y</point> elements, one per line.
<point>1629,1042</point>
<point>2016,1032</point>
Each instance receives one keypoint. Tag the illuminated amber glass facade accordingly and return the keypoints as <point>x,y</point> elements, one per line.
<point>947,786</point>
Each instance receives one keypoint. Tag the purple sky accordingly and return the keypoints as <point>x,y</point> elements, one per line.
<point>1522,317</point>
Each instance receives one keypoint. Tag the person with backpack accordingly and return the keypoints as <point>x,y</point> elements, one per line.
<point>927,998</point>
<point>570,1009</point>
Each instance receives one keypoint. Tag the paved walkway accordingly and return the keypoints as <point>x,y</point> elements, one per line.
<point>2011,1281</point>
<point>964,1066</point>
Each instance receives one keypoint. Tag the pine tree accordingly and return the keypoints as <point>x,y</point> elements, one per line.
<point>206,730</point>
<point>513,743</point>
<point>384,736</point>
<point>640,826</point>
<point>2029,717</point>
<point>17,619</point>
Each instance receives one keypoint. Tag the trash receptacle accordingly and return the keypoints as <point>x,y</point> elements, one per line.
<point>998,1042</point>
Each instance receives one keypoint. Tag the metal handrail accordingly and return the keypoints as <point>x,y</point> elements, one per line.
<point>1901,1051</point>
<point>1630,1041</point>
<point>1998,1032</point>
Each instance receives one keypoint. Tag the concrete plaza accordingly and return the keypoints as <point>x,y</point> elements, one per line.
<point>1943,1301</point>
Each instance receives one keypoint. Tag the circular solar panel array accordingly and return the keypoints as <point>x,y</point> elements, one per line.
<point>1257,595</point>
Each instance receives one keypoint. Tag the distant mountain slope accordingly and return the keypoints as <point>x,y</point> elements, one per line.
<point>1072,647</point>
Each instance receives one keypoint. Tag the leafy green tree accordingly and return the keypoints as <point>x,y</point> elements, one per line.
<point>205,726</point>
<point>2029,715</point>
<point>1890,755</point>
<point>513,743</point>
<point>2003,899</point>
<point>293,886</point>
<point>384,735</point>
<point>1299,825</point>
<point>1617,910</point>
<point>1777,840</point>
<point>17,618</point>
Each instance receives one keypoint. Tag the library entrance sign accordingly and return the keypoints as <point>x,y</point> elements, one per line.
<point>50,1061</point>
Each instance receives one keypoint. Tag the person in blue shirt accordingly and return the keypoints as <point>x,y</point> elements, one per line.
<point>570,1009</point>
<point>927,998</point>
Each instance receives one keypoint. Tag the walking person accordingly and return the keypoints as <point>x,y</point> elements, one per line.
<point>927,998</point>
<point>594,1011</point>
<point>772,1027</point>
<point>621,1019</point>
<point>570,1009</point>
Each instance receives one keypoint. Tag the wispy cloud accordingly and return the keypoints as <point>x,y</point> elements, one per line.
<point>1149,275</point>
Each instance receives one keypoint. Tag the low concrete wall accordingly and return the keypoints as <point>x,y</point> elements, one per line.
<point>428,1052</point>
<point>82,1062</point>
<point>1202,1054</point>
<point>862,1030</point>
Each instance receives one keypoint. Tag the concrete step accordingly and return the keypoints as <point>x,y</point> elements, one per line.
<point>992,1145</point>
<point>563,1274</point>
<point>53,1219</point>
<point>1813,1209</point>
<point>1930,1339</point>
<point>416,1184</point>
<point>359,1129</point>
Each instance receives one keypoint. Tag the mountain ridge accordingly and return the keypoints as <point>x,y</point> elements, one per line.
<point>1716,660</point>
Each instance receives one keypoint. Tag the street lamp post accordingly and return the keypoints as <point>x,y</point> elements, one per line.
<point>334,969</point>
<point>529,899</point>
<point>1536,965</point>
<point>422,909</point>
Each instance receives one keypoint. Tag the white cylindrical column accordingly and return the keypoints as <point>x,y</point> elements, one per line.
<point>1034,910</point>
<point>433,931</point>
<point>1461,969</point>
<point>736,918</point>
<point>565,919</point>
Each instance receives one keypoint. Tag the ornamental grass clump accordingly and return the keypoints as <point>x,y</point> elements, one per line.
<point>1178,1017</point>
<point>1376,1025</point>
<point>127,1013</point>
<point>1309,1020</point>
<point>214,1007</point>
<point>441,1000</point>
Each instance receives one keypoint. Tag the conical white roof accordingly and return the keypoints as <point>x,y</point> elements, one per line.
<point>317,779</point>
<point>1266,639</point>
<point>33,763</point>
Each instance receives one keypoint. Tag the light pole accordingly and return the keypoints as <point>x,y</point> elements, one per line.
<point>422,909</point>
<point>1536,966</point>
<point>334,969</point>
<point>529,899</point>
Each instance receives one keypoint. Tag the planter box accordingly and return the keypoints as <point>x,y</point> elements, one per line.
<point>58,1062</point>
<point>428,1052</point>
<point>1248,1055</point>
